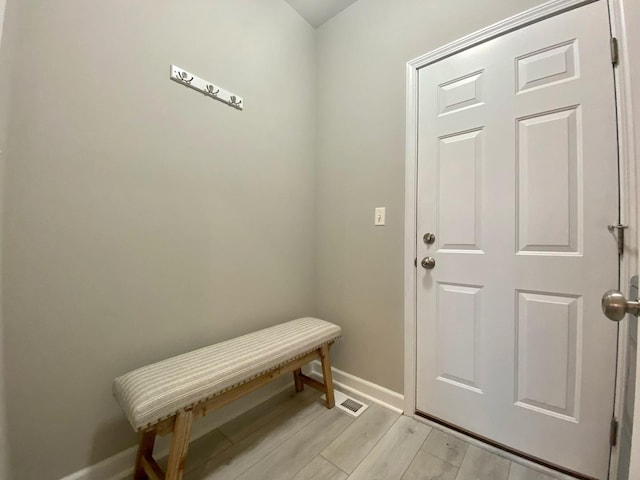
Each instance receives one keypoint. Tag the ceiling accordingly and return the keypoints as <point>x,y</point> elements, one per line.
<point>316,12</point>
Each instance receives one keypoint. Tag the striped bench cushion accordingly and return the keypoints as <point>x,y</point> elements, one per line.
<point>160,390</point>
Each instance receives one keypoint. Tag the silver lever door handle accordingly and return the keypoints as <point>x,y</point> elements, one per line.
<point>615,306</point>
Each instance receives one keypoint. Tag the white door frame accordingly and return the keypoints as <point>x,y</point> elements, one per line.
<point>629,180</point>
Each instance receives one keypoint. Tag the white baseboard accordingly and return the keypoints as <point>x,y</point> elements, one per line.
<point>362,388</point>
<point>120,466</point>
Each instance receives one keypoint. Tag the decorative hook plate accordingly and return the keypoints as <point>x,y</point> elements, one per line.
<point>190,80</point>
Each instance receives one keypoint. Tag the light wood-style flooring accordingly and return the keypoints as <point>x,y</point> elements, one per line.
<point>295,437</point>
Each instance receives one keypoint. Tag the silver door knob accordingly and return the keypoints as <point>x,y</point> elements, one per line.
<point>429,238</point>
<point>615,306</point>
<point>428,263</point>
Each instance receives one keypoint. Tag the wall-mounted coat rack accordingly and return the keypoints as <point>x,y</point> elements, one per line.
<point>207,88</point>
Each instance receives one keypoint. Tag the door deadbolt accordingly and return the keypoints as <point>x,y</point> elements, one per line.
<point>429,238</point>
<point>428,263</point>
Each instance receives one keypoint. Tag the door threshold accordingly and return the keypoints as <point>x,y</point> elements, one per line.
<point>505,448</point>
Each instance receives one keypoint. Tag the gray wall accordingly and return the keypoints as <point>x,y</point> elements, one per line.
<point>4,444</point>
<point>360,165</point>
<point>5,40</point>
<point>142,218</point>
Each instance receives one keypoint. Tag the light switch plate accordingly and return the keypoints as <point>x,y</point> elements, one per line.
<point>380,215</point>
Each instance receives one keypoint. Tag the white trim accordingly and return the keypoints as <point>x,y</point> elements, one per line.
<point>629,174</point>
<point>628,208</point>
<point>360,387</point>
<point>410,235</point>
<point>533,15</point>
<point>120,465</point>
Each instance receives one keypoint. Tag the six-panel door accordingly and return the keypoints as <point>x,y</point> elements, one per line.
<point>518,179</point>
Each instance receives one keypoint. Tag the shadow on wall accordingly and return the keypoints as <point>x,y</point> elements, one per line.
<point>116,431</point>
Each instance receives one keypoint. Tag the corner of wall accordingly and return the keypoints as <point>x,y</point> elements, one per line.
<point>315,304</point>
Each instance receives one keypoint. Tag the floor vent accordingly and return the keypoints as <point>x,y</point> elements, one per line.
<point>348,404</point>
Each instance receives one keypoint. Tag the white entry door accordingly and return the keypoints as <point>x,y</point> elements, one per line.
<point>517,181</point>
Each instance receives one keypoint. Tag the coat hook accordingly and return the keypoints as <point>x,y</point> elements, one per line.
<point>205,87</point>
<point>209,90</point>
<point>182,76</point>
<point>234,102</point>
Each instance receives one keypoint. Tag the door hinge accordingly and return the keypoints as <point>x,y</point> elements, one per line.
<point>613,435</point>
<point>615,53</point>
<point>620,234</point>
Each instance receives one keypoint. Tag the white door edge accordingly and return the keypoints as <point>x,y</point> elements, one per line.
<point>629,181</point>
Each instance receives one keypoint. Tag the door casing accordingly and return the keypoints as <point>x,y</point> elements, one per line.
<point>628,171</point>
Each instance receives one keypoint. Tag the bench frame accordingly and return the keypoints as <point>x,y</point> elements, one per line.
<point>146,467</point>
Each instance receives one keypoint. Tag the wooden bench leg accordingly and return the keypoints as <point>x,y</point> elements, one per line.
<point>179,445</point>
<point>297,380</point>
<point>326,375</point>
<point>145,448</point>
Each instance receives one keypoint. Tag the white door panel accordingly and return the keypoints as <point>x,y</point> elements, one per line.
<point>518,180</point>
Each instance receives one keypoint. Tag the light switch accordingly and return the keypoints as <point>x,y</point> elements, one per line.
<point>380,214</point>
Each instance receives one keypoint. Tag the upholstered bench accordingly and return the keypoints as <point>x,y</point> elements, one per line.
<point>167,396</point>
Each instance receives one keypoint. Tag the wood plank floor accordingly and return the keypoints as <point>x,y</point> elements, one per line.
<point>295,437</point>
